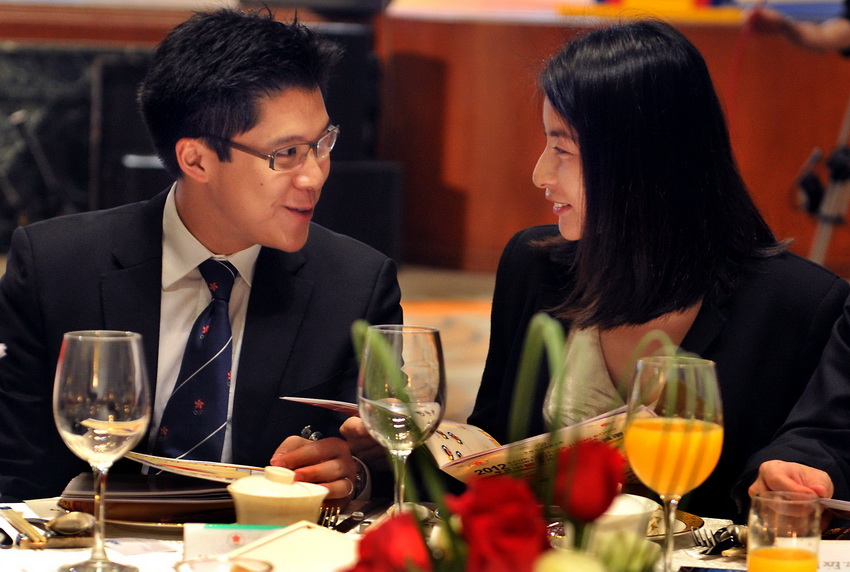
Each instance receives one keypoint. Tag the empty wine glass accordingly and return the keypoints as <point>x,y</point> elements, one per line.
<point>401,391</point>
<point>101,406</point>
<point>674,430</point>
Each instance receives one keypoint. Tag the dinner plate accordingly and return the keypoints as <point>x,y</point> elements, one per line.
<point>685,523</point>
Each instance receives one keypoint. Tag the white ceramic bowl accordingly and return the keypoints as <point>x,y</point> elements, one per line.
<point>627,512</point>
<point>274,498</point>
<point>628,515</point>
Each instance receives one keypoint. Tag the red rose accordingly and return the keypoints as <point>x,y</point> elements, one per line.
<point>589,476</point>
<point>395,545</point>
<point>502,524</point>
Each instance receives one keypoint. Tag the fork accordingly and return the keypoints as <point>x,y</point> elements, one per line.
<point>721,540</point>
<point>703,537</point>
<point>329,516</point>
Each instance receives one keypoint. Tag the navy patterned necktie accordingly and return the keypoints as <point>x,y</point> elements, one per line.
<point>195,416</point>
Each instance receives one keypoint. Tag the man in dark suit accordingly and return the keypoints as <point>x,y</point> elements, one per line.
<point>234,105</point>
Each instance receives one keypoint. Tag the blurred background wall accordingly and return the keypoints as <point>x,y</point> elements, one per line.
<point>438,106</point>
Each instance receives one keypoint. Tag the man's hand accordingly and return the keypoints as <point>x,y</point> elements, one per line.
<point>784,476</point>
<point>362,445</point>
<point>326,462</point>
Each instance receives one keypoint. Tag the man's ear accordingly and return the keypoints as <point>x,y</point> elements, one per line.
<point>194,158</point>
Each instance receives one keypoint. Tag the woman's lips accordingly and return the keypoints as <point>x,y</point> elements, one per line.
<point>560,208</point>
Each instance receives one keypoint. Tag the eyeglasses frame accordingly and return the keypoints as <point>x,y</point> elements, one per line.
<point>314,145</point>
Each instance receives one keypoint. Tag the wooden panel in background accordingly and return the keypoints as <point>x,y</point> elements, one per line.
<point>462,114</point>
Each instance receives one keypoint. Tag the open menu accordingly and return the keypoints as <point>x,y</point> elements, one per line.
<point>209,470</point>
<point>463,450</point>
<point>839,507</point>
<point>459,449</point>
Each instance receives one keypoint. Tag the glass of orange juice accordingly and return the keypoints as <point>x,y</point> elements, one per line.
<point>674,430</point>
<point>785,530</point>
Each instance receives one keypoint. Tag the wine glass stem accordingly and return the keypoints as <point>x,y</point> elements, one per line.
<point>399,461</point>
<point>671,503</point>
<point>98,551</point>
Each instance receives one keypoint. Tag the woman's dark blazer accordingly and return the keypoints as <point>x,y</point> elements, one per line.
<point>766,338</point>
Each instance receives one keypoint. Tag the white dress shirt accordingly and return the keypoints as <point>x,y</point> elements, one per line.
<point>184,297</point>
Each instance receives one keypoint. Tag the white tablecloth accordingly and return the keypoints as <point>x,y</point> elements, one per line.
<point>158,551</point>
<point>150,552</point>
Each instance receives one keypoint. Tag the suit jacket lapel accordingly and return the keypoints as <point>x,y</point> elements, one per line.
<point>706,327</point>
<point>276,309</point>
<point>131,292</point>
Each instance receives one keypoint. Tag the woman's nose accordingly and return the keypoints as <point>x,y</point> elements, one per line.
<point>542,174</point>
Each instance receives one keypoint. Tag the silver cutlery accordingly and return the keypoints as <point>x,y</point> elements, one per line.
<point>329,516</point>
<point>722,539</point>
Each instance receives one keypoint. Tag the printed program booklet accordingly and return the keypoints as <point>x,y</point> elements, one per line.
<point>209,470</point>
<point>463,450</point>
<point>459,449</point>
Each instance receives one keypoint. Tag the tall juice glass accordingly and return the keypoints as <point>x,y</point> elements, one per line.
<point>674,431</point>
<point>784,533</point>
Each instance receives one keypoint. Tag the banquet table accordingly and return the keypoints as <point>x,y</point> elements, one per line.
<point>156,550</point>
<point>153,550</point>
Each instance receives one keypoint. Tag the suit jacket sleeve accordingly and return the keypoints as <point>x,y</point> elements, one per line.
<point>817,431</point>
<point>29,442</point>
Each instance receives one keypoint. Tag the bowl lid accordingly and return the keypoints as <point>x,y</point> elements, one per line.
<point>276,482</point>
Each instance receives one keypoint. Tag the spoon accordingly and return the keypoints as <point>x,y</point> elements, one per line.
<point>68,524</point>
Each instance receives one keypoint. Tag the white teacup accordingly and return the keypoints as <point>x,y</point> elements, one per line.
<point>274,498</point>
<point>627,514</point>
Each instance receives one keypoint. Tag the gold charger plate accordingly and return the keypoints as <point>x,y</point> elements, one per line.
<point>685,522</point>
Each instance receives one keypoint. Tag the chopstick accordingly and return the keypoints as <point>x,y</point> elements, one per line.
<point>17,520</point>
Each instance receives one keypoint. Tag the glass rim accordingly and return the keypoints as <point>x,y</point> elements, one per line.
<point>796,497</point>
<point>675,360</point>
<point>102,334</point>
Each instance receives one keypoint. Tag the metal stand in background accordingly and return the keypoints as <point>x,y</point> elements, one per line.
<point>830,205</point>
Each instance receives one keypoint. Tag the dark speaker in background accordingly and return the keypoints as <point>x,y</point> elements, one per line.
<point>352,96</point>
<point>123,165</point>
<point>363,199</point>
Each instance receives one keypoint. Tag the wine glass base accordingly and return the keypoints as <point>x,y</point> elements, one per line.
<point>421,512</point>
<point>97,566</point>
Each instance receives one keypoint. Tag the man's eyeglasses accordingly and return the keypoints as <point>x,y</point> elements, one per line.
<point>291,156</point>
